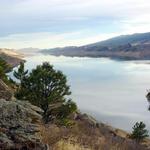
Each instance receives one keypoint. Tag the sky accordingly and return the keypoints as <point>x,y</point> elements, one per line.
<point>59,23</point>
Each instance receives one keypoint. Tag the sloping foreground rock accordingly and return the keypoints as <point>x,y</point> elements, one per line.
<point>19,126</point>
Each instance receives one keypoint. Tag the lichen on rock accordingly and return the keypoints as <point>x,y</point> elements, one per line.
<point>19,122</point>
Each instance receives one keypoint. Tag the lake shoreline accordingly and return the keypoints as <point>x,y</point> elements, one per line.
<point>109,75</point>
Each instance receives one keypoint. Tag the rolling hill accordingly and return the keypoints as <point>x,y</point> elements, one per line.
<point>126,47</point>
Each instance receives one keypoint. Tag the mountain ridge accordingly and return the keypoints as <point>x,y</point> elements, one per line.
<point>122,38</point>
<point>126,47</point>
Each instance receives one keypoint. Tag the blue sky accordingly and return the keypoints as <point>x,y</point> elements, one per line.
<point>58,23</point>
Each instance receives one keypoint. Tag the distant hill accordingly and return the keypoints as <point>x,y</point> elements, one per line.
<point>128,47</point>
<point>138,38</point>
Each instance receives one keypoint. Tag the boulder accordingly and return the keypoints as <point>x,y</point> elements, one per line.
<point>87,119</point>
<point>19,126</point>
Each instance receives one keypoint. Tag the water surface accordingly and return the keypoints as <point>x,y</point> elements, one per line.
<point>112,91</point>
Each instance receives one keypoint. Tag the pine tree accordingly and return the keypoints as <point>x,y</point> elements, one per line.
<point>20,73</point>
<point>139,132</point>
<point>44,85</point>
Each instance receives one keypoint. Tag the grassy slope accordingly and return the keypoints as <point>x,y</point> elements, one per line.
<point>84,135</point>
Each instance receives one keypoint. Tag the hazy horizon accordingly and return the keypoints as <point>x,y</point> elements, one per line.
<point>37,48</point>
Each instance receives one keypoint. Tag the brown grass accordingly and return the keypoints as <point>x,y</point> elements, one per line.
<point>84,137</point>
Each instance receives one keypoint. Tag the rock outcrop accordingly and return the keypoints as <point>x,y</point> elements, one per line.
<point>19,126</point>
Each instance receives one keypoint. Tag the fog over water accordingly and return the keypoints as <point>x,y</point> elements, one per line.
<point>111,91</point>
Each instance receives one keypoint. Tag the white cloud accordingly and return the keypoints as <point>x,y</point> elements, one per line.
<point>78,8</point>
<point>49,23</point>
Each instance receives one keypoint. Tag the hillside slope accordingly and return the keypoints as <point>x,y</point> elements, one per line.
<point>12,57</point>
<point>87,134</point>
<point>137,38</point>
<point>126,47</point>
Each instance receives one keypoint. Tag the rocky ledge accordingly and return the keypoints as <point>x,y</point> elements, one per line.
<point>19,126</point>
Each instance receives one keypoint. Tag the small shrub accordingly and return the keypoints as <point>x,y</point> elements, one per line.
<point>66,109</point>
<point>139,132</point>
<point>65,122</point>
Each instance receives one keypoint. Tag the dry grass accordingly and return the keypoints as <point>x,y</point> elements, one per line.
<point>68,145</point>
<point>84,137</point>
